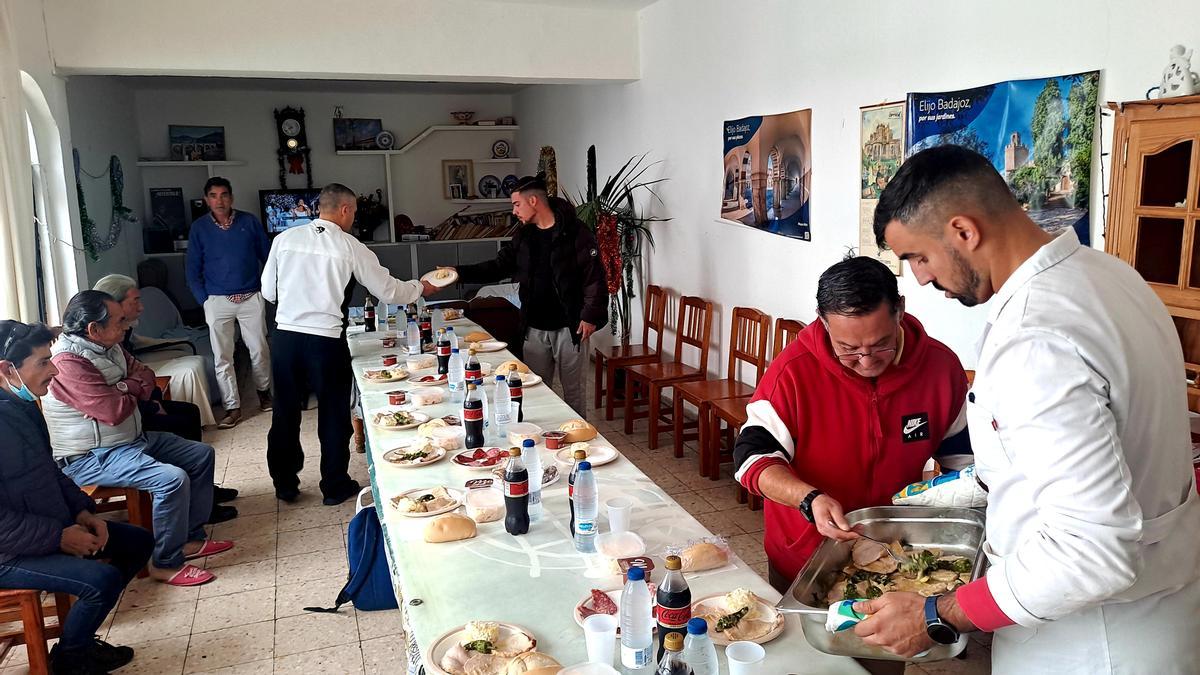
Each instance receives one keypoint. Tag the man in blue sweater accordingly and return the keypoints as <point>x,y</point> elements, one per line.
<point>226,252</point>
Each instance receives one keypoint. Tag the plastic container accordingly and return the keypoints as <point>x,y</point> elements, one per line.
<point>485,505</point>
<point>519,431</point>
<point>390,359</point>
<point>449,438</point>
<point>397,397</point>
<point>554,439</point>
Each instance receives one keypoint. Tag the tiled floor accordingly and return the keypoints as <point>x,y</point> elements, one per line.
<point>288,556</point>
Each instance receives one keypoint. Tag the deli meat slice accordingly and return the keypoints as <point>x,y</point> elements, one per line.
<point>602,603</point>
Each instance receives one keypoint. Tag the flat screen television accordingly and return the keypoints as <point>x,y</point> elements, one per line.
<point>285,209</point>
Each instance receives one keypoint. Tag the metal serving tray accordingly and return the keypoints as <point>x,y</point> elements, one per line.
<point>956,531</point>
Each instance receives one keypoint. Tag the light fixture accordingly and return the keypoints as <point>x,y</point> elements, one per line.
<point>292,143</point>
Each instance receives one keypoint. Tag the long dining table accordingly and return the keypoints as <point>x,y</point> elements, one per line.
<point>536,580</point>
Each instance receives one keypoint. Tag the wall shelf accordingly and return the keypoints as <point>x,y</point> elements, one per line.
<point>453,127</point>
<point>510,160</point>
<point>480,201</point>
<point>207,165</point>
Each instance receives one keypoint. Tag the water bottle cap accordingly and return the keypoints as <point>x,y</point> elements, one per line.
<point>697,626</point>
<point>454,351</point>
<point>585,465</point>
<point>527,443</point>
<point>449,329</point>
<point>499,378</point>
<point>636,574</point>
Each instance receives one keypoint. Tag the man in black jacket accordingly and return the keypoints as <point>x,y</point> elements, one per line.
<point>50,537</point>
<point>564,297</point>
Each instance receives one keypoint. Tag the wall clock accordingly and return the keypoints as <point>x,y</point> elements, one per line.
<point>293,153</point>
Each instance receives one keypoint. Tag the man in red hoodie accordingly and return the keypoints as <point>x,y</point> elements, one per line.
<point>847,415</point>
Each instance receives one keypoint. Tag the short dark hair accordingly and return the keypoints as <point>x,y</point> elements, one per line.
<point>535,185</point>
<point>18,340</point>
<point>856,286</point>
<point>333,196</point>
<point>85,308</point>
<point>217,181</point>
<point>935,174</point>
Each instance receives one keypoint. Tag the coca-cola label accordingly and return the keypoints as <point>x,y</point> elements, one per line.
<point>515,392</point>
<point>674,617</point>
<point>370,313</point>
<point>472,414</point>
<point>474,373</point>
<point>570,490</point>
<point>443,350</point>
<point>516,489</point>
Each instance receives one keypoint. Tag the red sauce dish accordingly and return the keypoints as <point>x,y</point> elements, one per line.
<point>397,397</point>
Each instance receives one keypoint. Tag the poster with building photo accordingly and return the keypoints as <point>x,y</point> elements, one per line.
<point>1037,133</point>
<point>768,173</point>
<point>882,150</point>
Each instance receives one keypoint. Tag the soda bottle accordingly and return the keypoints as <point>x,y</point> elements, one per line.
<point>474,370</point>
<point>473,417</point>
<point>369,314</point>
<point>516,395</point>
<point>426,326</point>
<point>516,494</point>
<point>674,599</point>
<point>698,649</point>
<point>672,662</point>
<point>413,336</point>
<point>637,642</point>
<point>586,505</point>
<point>578,457</point>
<point>443,352</point>
<point>533,461</point>
<point>453,337</point>
<point>456,377</point>
<point>503,406</point>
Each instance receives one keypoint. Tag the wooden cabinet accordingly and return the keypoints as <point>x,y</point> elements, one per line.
<point>1154,209</point>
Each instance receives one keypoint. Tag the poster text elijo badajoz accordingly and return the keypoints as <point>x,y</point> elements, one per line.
<point>768,173</point>
<point>1037,133</point>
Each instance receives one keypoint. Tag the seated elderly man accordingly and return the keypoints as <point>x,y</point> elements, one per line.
<point>98,437</point>
<point>50,537</point>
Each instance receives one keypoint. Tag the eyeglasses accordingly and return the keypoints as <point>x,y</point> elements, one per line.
<point>858,356</point>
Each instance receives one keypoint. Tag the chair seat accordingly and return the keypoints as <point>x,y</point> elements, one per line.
<point>621,352</point>
<point>710,390</point>
<point>732,410</point>
<point>672,371</point>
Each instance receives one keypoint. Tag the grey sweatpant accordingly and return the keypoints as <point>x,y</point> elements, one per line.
<point>544,349</point>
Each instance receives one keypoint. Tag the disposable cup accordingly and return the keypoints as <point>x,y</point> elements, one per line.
<point>600,632</point>
<point>620,513</point>
<point>745,658</point>
<point>589,669</point>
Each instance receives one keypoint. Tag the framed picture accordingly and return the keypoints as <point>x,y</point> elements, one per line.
<point>196,144</point>
<point>356,133</point>
<point>460,173</point>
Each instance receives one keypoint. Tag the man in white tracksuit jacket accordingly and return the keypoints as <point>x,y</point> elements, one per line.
<point>1078,421</point>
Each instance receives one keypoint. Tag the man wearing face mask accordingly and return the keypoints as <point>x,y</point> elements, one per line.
<point>847,415</point>
<point>50,537</point>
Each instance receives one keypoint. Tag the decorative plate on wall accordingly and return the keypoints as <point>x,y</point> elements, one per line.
<point>500,149</point>
<point>510,182</point>
<point>489,187</point>
<point>385,140</point>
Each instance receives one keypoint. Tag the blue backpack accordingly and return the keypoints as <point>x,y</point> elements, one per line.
<point>369,585</point>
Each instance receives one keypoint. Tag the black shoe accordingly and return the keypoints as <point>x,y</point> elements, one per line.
<point>223,494</point>
<point>221,513</point>
<point>110,657</point>
<point>348,491</point>
<point>289,495</point>
<point>75,662</point>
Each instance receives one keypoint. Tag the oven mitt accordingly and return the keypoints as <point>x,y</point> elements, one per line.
<point>953,488</point>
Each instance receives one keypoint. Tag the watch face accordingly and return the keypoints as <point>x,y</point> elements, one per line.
<point>941,633</point>
<point>290,127</point>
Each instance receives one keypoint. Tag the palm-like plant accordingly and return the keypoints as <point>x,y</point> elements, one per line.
<point>621,231</point>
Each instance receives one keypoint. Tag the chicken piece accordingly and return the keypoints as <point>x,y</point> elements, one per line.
<point>885,565</point>
<point>514,644</point>
<point>944,576</point>
<point>865,552</point>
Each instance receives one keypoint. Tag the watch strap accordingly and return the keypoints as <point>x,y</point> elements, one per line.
<point>805,506</point>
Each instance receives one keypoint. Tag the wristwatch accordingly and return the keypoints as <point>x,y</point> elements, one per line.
<point>122,387</point>
<point>938,630</point>
<point>806,505</point>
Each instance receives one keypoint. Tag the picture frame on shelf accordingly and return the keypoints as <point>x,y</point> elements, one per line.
<point>190,143</point>
<point>356,133</point>
<point>457,173</point>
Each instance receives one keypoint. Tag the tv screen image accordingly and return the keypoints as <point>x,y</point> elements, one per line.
<point>285,209</point>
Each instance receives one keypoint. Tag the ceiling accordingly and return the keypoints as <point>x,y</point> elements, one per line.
<point>313,85</point>
<point>588,4</point>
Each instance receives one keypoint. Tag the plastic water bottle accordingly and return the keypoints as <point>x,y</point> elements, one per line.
<point>487,407</point>
<point>457,378</point>
<point>414,338</point>
<point>503,403</point>
<point>637,642</point>
<point>453,337</point>
<point>587,503</point>
<point>698,649</point>
<point>533,462</point>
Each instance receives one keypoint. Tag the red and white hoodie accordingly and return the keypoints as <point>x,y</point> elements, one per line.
<point>856,439</point>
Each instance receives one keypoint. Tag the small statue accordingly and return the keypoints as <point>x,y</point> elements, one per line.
<point>1178,78</point>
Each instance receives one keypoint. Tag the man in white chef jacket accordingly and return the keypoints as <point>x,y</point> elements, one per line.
<point>1078,420</point>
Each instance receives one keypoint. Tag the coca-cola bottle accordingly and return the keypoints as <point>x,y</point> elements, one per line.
<point>426,326</point>
<point>578,457</point>
<point>473,417</point>
<point>443,352</point>
<point>516,395</point>
<point>474,371</point>
<point>369,314</point>
<point>674,603</point>
<point>516,494</point>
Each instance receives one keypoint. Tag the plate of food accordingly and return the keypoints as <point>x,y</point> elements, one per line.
<point>441,277</point>
<point>417,454</point>
<point>487,648</point>
<point>425,502</point>
<point>452,314</point>
<point>739,615</point>
<point>603,602</point>
<point>380,375</point>
<point>550,474</point>
<point>598,455</point>
<point>429,379</point>
<point>397,419</point>
<point>480,458</point>
<point>484,346</point>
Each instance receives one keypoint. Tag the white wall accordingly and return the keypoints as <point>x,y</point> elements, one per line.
<point>703,63</point>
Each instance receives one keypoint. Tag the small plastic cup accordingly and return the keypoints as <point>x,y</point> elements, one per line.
<point>397,397</point>
<point>600,633</point>
<point>589,669</point>
<point>745,658</point>
<point>554,439</point>
<point>620,513</point>
<point>389,359</point>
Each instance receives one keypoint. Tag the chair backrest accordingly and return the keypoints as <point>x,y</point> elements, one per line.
<point>786,331</point>
<point>748,340</point>
<point>656,316</point>
<point>694,328</point>
<point>159,314</point>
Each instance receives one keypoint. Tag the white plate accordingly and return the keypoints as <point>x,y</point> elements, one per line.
<point>443,643</point>
<point>764,609</point>
<point>414,378</point>
<point>456,495</point>
<point>388,456</point>
<point>466,454</point>
<point>490,346</point>
<point>431,277</point>
<point>370,380</point>
<point>615,596</point>
<point>598,455</point>
<point>420,417</point>
<point>530,379</point>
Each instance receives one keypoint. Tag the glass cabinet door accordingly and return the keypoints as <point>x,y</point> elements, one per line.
<point>1166,175</point>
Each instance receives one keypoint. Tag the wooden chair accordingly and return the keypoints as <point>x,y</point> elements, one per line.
<point>26,606</point>
<point>748,336</point>
<point>618,357</point>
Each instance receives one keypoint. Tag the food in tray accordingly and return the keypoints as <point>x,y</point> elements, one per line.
<point>485,505</point>
<point>510,365</point>
<point>425,502</point>
<point>413,454</point>
<point>739,615</point>
<point>421,362</point>
<point>871,572</point>
<point>477,336</point>
<point>598,603</point>
<point>703,556</point>
<point>396,418</point>
<point>443,273</point>
<point>385,374</point>
<point>450,527</point>
<point>518,432</point>
<point>427,428</point>
<point>427,396</point>
<point>448,438</point>
<point>486,648</point>
<point>578,430</point>
<point>481,457</point>
<point>451,314</point>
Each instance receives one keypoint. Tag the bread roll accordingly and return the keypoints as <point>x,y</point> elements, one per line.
<point>507,367</point>
<point>703,556</point>
<point>450,527</point>
<point>477,336</point>
<point>578,431</point>
<point>531,663</point>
